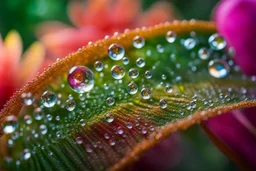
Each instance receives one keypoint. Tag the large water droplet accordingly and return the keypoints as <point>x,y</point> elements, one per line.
<point>10,124</point>
<point>145,93</point>
<point>138,42</point>
<point>109,117</point>
<point>133,73</point>
<point>117,72</point>
<point>70,104</point>
<point>116,51</point>
<point>49,99</point>
<point>132,88</point>
<point>98,65</point>
<point>218,68</point>
<point>170,36</point>
<point>204,53</point>
<point>217,42</point>
<point>81,79</point>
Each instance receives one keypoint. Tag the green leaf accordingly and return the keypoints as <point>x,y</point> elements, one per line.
<point>98,135</point>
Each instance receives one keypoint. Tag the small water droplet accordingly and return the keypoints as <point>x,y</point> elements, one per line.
<point>120,131</point>
<point>70,105</point>
<point>10,124</point>
<point>218,68</point>
<point>43,129</point>
<point>129,125</point>
<point>98,65</point>
<point>117,72</point>
<point>132,88</point>
<point>109,117</point>
<point>49,99</point>
<point>79,140</point>
<point>27,99</point>
<point>82,122</point>
<point>116,51</point>
<point>148,74</point>
<point>145,93</point>
<point>26,154</point>
<point>140,62</point>
<point>138,42</point>
<point>81,79</point>
<point>133,73</point>
<point>110,101</point>
<point>38,114</point>
<point>168,88</point>
<point>217,42</point>
<point>170,36</point>
<point>204,53</point>
<point>163,103</point>
<point>125,60</point>
<point>28,119</point>
<point>144,131</point>
<point>189,43</point>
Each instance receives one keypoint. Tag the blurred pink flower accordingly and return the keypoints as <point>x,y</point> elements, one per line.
<point>236,21</point>
<point>16,69</point>
<point>97,18</point>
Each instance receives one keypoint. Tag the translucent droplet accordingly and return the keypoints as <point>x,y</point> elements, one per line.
<point>38,114</point>
<point>144,131</point>
<point>109,117</point>
<point>125,60</point>
<point>217,42</point>
<point>132,88</point>
<point>117,72</point>
<point>163,103</point>
<point>140,62</point>
<point>43,129</point>
<point>26,154</point>
<point>27,99</point>
<point>204,53</point>
<point>169,88</point>
<point>81,79</point>
<point>28,119</point>
<point>58,134</point>
<point>110,101</point>
<point>160,48</point>
<point>79,140</point>
<point>120,131</point>
<point>138,42</point>
<point>70,104</point>
<point>133,73</point>
<point>49,117</point>
<point>164,77</point>
<point>145,93</point>
<point>189,43</point>
<point>88,148</point>
<point>129,125</point>
<point>116,51</point>
<point>218,68</point>
<point>49,99</point>
<point>10,124</point>
<point>170,36</point>
<point>98,65</point>
<point>148,74</point>
<point>82,122</point>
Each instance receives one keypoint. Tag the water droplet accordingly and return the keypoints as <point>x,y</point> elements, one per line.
<point>49,99</point>
<point>38,114</point>
<point>88,148</point>
<point>116,51</point>
<point>70,104</point>
<point>27,99</point>
<point>169,88</point>
<point>138,42</point>
<point>43,129</point>
<point>49,117</point>
<point>110,101</point>
<point>204,53</point>
<point>144,131</point>
<point>170,36</point>
<point>10,124</point>
<point>98,65</point>
<point>112,142</point>
<point>26,154</point>
<point>163,103</point>
<point>132,88</point>
<point>28,119</point>
<point>79,140</point>
<point>109,117</point>
<point>148,74</point>
<point>81,79</point>
<point>218,68</point>
<point>145,93</point>
<point>217,42</point>
<point>120,131</point>
<point>160,48</point>
<point>164,77</point>
<point>140,62</point>
<point>106,136</point>
<point>126,60</point>
<point>189,43</point>
<point>82,122</point>
<point>133,73</point>
<point>117,72</point>
<point>58,134</point>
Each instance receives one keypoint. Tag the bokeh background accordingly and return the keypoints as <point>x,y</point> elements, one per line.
<point>24,16</point>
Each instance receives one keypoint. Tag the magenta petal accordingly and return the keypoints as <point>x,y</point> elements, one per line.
<point>237,130</point>
<point>236,21</point>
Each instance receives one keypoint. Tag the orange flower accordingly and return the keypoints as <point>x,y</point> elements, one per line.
<point>97,18</point>
<point>16,71</point>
